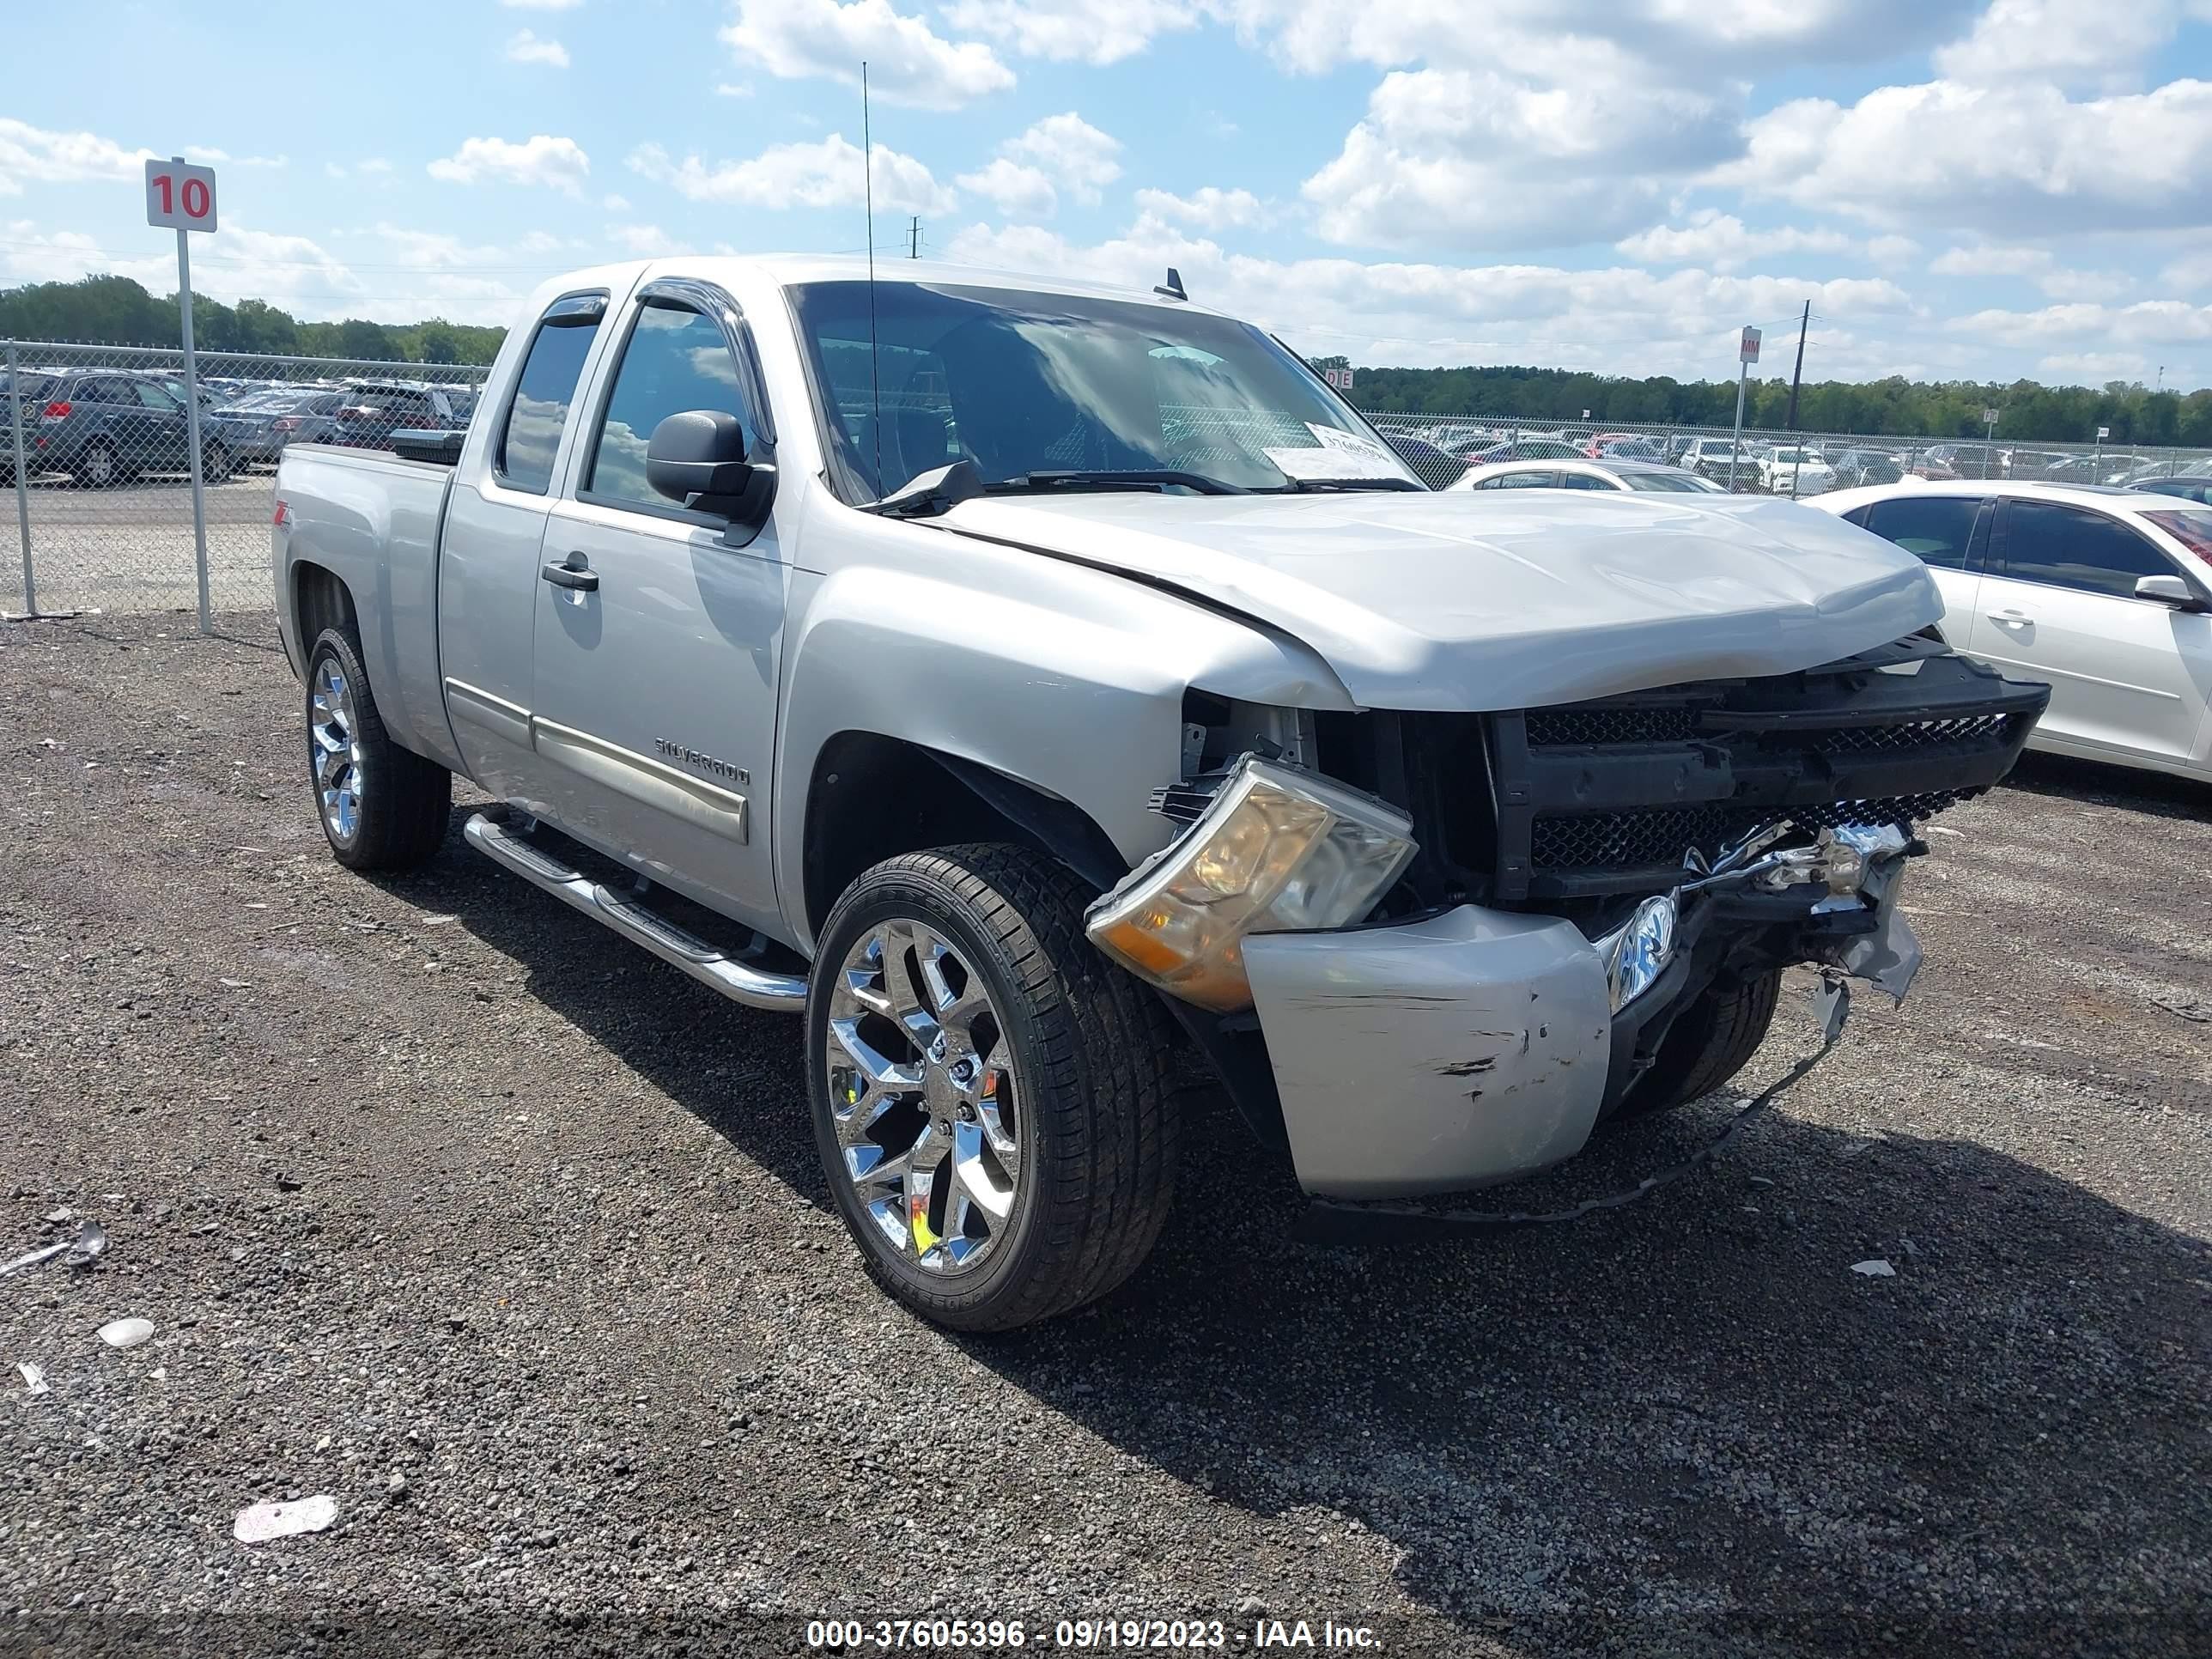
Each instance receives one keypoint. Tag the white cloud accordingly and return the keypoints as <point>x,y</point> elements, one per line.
<point>614,202</point>
<point>908,62</point>
<point>524,48</point>
<point>830,174</point>
<point>733,89</point>
<point>232,264</point>
<point>1074,30</point>
<point>1076,156</point>
<point>2095,368</point>
<point>1018,191</point>
<point>374,164</point>
<point>2147,323</point>
<point>646,241</point>
<point>1207,208</point>
<point>1622,320</point>
<point>31,155</point>
<point>1479,159</point>
<point>2020,159</point>
<point>540,160</point>
<point>2070,42</point>
<point>1723,242</point>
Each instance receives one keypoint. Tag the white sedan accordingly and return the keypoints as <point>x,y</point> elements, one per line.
<point>1566,474</point>
<point>1796,471</point>
<point>2105,594</point>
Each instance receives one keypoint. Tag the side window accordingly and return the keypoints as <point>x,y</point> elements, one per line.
<point>1529,481</point>
<point>674,361</point>
<point>1486,484</point>
<point>1935,528</point>
<point>543,392</point>
<point>154,398</point>
<point>2072,547</point>
<point>1585,480</point>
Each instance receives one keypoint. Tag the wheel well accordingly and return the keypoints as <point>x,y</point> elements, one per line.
<point>872,798</point>
<point>319,600</point>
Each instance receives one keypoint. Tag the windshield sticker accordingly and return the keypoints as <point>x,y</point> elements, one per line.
<point>1337,455</point>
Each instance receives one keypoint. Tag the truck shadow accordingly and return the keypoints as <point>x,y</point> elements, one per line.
<point>1687,1425</point>
<point>2128,787</point>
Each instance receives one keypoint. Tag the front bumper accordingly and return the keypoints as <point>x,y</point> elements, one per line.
<point>1477,1045</point>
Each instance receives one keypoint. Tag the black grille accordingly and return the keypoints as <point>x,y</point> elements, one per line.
<point>1567,727</point>
<point>1912,734</point>
<point>1658,838</point>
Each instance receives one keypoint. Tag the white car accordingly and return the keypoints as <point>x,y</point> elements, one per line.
<point>1791,470</point>
<point>2105,593</point>
<point>1583,475</point>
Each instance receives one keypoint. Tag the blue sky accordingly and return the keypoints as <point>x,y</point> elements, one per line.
<point>1962,188</point>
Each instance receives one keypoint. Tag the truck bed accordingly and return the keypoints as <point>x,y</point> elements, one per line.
<point>373,520</point>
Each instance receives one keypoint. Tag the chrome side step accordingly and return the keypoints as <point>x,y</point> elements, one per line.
<point>736,980</point>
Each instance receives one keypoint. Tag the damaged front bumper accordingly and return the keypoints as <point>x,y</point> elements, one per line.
<point>1476,1046</point>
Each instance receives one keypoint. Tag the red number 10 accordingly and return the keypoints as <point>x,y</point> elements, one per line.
<point>197,202</point>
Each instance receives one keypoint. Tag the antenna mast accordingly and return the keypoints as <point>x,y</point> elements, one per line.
<point>868,188</point>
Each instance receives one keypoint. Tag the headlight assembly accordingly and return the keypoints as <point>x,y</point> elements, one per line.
<point>1276,850</point>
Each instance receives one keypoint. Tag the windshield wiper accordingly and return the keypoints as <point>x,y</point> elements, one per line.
<point>1138,479</point>
<point>1300,486</point>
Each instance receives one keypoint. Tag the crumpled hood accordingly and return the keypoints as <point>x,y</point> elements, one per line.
<point>1481,599</point>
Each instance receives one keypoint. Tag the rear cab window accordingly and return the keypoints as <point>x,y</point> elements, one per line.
<point>530,439</point>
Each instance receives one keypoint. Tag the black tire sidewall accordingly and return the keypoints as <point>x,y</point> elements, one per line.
<point>882,896</point>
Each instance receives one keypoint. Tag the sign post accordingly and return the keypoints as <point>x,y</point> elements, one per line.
<point>1989,437</point>
<point>1746,355</point>
<point>183,196</point>
<point>2096,464</point>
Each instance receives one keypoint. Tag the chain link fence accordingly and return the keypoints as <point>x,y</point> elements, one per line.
<point>98,508</point>
<point>1440,448</point>
<point>101,516</point>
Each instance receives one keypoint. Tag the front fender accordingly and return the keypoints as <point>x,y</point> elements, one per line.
<point>1069,680</point>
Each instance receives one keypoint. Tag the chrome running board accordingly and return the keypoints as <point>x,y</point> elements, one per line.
<point>736,980</point>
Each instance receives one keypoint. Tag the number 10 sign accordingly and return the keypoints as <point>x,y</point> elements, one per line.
<point>179,196</point>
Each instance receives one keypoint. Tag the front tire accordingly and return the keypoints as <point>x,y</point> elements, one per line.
<point>382,807</point>
<point>1712,1040</point>
<point>215,464</point>
<point>989,1094</point>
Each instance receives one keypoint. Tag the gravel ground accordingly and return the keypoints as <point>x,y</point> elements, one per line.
<point>511,1239</point>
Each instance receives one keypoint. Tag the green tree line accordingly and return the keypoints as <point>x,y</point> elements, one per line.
<point>117,311</point>
<point>2028,411</point>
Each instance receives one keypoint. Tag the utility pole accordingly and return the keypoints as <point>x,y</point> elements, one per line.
<point>913,237</point>
<point>1797,374</point>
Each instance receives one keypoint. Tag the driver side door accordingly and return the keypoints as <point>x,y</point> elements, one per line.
<point>658,636</point>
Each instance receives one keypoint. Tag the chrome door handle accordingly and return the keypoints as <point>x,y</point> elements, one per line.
<point>571,572</point>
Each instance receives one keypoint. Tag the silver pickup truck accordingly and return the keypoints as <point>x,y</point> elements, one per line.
<point>1020,680</point>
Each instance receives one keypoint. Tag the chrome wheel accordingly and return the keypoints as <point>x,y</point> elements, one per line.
<point>334,749</point>
<point>922,1093</point>
<point>99,466</point>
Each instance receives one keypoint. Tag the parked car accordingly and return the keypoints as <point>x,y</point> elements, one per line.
<point>1433,466</point>
<point>1587,474</point>
<point>371,411</point>
<point>1524,449</point>
<point>105,426</point>
<point>1965,460</point>
<point>1853,467</point>
<point>2184,487</point>
<point>257,428</point>
<point>2108,594</point>
<point>995,761</point>
<point>1795,470</point>
<point>1708,458</point>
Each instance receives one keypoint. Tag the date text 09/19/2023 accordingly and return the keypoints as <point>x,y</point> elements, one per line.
<point>856,1635</point>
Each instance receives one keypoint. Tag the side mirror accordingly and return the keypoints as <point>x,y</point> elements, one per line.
<point>699,459</point>
<point>2169,590</point>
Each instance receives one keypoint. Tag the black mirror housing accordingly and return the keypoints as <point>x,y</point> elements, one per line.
<point>699,459</point>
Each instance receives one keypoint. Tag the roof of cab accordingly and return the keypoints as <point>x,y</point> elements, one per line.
<point>790,270</point>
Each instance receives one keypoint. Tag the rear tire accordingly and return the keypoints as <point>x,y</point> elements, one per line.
<point>975,1214</point>
<point>97,468</point>
<point>381,808</point>
<point>1713,1040</point>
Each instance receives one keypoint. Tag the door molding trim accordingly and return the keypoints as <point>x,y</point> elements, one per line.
<point>479,707</point>
<point>707,806</point>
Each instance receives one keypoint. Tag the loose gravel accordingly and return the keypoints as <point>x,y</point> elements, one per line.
<point>447,1205</point>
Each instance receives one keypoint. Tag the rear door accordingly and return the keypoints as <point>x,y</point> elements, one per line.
<point>488,558</point>
<point>2057,604</point>
<point>656,687</point>
<point>165,441</point>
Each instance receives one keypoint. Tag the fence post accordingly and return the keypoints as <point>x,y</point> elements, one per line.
<point>22,481</point>
<point>193,420</point>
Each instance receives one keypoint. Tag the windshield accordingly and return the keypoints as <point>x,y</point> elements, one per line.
<point>1024,383</point>
<point>1686,482</point>
<point>1795,455</point>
